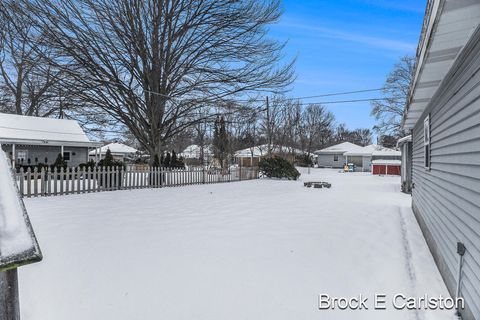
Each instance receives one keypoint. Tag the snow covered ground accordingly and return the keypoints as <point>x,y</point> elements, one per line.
<point>261,249</point>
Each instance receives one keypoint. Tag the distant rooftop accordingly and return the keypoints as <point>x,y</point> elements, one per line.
<point>115,148</point>
<point>35,130</point>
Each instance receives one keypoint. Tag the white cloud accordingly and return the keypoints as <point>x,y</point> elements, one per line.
<point>378,42</point>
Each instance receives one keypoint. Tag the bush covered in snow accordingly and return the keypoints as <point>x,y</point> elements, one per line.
<point>278,167</point>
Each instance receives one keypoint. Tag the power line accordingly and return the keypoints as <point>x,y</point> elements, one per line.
<point>346,101</point>
<point>260,100</point>
<point>321,95</point>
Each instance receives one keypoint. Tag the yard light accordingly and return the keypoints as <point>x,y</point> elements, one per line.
<point>461,252</point>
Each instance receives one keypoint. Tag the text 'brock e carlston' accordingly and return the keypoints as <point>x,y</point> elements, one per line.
<point>381,302</point>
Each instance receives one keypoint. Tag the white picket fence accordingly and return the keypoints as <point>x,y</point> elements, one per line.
<point>48,182</point>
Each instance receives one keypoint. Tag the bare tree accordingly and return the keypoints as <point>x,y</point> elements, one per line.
<point>389,112</point>
<point>317,126</point>
<point>361,137</point>
<point>26,77</point>
<point>151,64</point>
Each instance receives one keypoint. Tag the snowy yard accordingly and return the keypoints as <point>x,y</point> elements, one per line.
<point>261,249</point>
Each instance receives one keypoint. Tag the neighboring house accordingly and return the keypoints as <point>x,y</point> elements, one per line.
<point>251,156</point>
<point>30,141</point>
<point>119,152</point>
<point>405,146</point>
<point>192,155</point>
<point>333,156</point>
<point>338,155</point>
<point>443,115</point>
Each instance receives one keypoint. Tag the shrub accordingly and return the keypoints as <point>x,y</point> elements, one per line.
<point>90,164</point>
<point>278,167</point>
<point>108,161</point>
<point>59,162</point>
<point>304,160</point>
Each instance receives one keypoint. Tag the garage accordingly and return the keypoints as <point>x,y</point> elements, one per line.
<point>386,167</point>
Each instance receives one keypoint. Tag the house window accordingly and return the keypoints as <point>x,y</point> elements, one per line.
<point>21,156</point>
<point>66,156</point>
<point>335,157</point>
<point>426,141</point>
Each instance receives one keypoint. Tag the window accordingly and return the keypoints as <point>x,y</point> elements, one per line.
<point>335,157</point>
<point>66,156</point>
<point>21,156</point>
<point>426,141</point>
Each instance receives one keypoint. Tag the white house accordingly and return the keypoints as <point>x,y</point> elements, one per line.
<point>251,156</point>
<point>31,141</point>
<point>338,155</point>
<point>335,156</point>
<point>194,155</point>
<point>119,151</point>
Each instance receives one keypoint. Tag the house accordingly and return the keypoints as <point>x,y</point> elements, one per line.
<point>30,141</point>
<point>251,156</point>
<point>443,116</point>
<point>405,145</point>
<point>334,156</point>
<point>338,155</point>
<point>119,152</point>
<point>196,155</point>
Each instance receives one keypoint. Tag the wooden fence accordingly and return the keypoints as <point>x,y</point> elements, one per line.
<point>48,182</point>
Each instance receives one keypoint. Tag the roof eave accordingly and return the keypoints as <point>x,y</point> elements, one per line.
<point>33,142</point>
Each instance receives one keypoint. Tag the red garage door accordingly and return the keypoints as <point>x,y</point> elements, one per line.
<point>378,169</point>
<point>386,169</point>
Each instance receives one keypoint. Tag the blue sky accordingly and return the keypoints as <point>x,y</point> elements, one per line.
<point>347,45</point>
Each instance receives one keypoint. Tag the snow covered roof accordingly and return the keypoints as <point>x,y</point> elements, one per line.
<point>341,148</point>
<point>17,240</point>
<point>387,162</point>
<point>262,150</point>
<point>45,131</point>
<point>115,148</point>
<point>389,152</point>
<point>372,149</point>
<point>193,151</point>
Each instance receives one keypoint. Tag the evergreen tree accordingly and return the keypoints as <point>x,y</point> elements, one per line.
<point>167,160</point>
<point>156,161</point>
<point>220,141</point>
<point>108,160</point>
<point>174,161</point>
<point>60,162</point>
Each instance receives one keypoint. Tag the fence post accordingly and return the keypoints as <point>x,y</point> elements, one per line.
<point>42,182</point>
<point>22,182</point>
<point>9,305</point>
<point>29,182</point>
<point>203,173</point>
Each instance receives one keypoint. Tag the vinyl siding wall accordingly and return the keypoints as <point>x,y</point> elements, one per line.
<point>326,160</point>
<point>78,155</point>
<point>446,198</point>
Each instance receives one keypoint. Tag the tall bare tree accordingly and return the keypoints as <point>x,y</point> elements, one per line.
<point>389,112</point>
<point>151,64</point>
<point>317,127</point>
<point>26,77</point>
